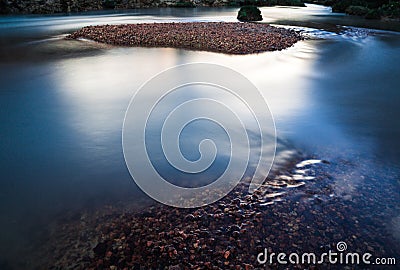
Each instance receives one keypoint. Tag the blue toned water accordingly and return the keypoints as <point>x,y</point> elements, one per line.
<point>62,105</point>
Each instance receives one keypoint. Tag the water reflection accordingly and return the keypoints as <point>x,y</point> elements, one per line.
<point>61,124</point>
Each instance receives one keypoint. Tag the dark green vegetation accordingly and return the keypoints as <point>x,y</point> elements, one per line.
<point>108,4</point>
<point>371,9</point>
<point>3,7</point>
<point>66,6</point>
<point>260,3</point>
<point>357,10</point>
<point>185,4</point>
<point>249,13</point>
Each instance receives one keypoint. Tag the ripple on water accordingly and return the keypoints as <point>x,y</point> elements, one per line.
<point>277,186</point>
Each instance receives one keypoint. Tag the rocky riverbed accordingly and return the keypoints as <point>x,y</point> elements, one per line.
<point>221,37</point>
<point>298,209</point>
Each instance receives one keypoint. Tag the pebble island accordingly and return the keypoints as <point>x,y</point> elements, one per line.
<point>221,37</point>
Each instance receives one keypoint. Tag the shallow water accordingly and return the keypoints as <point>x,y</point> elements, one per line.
<point>62,105</point>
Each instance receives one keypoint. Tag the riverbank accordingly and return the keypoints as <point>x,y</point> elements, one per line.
<point>64,6</point>
<point>221,37</point>
<point>372,10</point>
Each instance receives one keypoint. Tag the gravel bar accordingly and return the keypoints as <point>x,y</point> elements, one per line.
<point>221,37</point>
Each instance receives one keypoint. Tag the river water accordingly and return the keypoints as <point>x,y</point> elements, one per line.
<point>62,104</point>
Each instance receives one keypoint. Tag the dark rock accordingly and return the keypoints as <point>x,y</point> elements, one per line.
<point>249,14</point>
<point>100,249</point>
<point>190,217</point>
<point>236,234</point>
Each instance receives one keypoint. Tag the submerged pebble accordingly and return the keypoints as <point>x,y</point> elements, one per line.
<point>227,234</point>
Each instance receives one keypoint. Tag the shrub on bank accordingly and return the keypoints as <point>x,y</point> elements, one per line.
<point>371,9</point>
<point>373,14</point>
<point>357,10</point>
<point>249,14</point>
<point>391,10</point>
<point>295,3</point>
<point>108,4</point>
<point>241,3</point>
<point>260,3</point>
<point>4,7</point>
<point>185,4</point>
<point>342,5</point>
